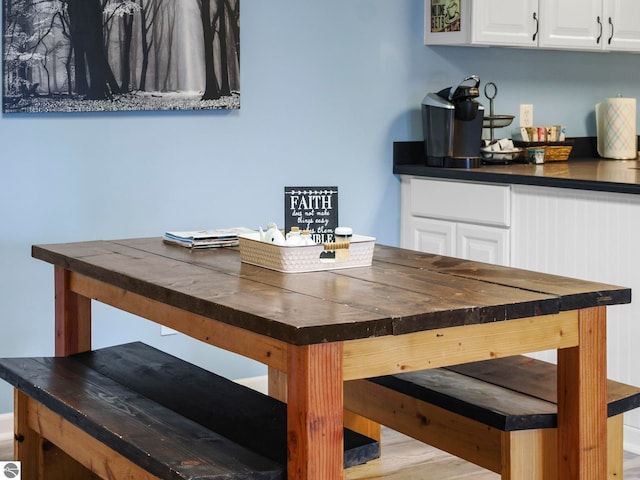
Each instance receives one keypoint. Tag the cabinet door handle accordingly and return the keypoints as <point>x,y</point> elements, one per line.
<point>600,34</point>
<point>611,37</point>
<point>535,34</point>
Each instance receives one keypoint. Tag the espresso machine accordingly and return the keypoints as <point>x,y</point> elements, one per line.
<point>452,126</point>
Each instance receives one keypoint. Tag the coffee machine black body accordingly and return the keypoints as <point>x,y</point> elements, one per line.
<point>452,126</point>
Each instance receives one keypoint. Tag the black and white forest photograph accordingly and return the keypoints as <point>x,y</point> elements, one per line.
<point>120,55</point>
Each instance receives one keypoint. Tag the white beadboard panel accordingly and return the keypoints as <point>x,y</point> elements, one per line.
<point>593,236</point>
<point>631,438</point>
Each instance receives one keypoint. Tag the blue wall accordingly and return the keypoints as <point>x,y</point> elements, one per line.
<point>327,86</point>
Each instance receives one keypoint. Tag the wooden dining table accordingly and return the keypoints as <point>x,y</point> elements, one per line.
<point>405,312</point>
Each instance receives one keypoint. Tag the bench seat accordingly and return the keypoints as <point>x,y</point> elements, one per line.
<point>500,414</point>
<point>158,415</point>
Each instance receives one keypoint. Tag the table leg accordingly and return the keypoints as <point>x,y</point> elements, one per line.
<point>72,317</point>
<point>314,412</point>
<point>278,389</point>
<point>582,401</point>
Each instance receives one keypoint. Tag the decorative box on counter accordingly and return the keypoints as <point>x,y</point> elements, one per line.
<point>553,151</point>
<point>306,258</point>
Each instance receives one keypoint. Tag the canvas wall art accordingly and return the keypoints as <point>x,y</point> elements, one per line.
<point>120,55</point>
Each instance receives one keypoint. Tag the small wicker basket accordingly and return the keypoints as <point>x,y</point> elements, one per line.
<point>308,258</point>
<point>553,151</point>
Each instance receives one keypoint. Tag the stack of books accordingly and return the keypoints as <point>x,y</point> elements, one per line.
<point>221,237</point>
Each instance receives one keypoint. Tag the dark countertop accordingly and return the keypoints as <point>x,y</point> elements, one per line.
<point>582,171</point>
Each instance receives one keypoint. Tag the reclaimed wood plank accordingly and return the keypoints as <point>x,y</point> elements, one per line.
<point>574,293</point>
<point>267,310</point>
<point>261,348</point>
<point>225,261</point>
<point>417,286</point>
<point>538,379</point>
<point>326,306</point>
<point>141,430</point>
<point>472,398</point>
<point>247,417</point>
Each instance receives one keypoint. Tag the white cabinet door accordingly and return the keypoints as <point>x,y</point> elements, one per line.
<point>505,22</point>
<point>572,24</point>
<point>483,244</point>
<point>432,236</point>
<point>473,242</point>
<point>482,22</point>
<point>622,25</point>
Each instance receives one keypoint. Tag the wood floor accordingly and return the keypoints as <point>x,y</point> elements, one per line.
<point>6,451</point>
<point>406,459</point>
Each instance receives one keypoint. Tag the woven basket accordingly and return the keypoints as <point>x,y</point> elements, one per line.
<point>553,151</point>
<point>308,258</point>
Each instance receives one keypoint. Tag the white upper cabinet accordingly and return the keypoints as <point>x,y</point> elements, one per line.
<point>505,22</point>
<point>622,28</point>
<point>596,25</point>
<point>572,24</point>
<point>481,22</point>
<point>590,24</point>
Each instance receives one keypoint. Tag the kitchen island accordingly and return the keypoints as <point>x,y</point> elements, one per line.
<point>579,218</point>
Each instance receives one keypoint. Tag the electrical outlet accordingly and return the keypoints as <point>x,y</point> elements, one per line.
<point>526,115</point>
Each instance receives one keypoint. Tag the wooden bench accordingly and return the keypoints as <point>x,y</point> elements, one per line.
<point>132,411</point>
<point>500,414</point>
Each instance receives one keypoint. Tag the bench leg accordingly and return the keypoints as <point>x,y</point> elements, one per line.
<point>40,459</point>
<point>27,445</point>
<point>615,448</point>
<point>51,448</point>
<point>532,454</point>
<point>529,455</point>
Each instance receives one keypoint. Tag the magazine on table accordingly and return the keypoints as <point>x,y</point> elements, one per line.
<point>219,237</point>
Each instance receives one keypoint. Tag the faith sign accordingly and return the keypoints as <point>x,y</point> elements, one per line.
<point>312,208</point>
